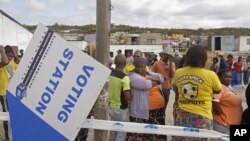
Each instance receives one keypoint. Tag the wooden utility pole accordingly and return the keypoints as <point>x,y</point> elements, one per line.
<point>102,55</point>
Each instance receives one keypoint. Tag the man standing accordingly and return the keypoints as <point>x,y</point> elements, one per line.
<point>166,67</point>
<point>119,95</point>
<point>8,65</point>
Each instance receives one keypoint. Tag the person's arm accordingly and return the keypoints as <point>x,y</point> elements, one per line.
<point>216,86</point>
<point>172,68</point>
<point>16,58</point>
<point>157,77</point>
<point>216,91</point>
<point>127,95</point>
<point>216,102</point>
<point>216,107</point>
<point>176,96</point>
<point>155,80</point>
<point>126,88</point>
<point>140,83</point>
<point>4,58</point>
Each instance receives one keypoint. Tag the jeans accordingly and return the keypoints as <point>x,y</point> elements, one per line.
<point>6,125</point>
<point>118,115</point>
<point>237,78</point>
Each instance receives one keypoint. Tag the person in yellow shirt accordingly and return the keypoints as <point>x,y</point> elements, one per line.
<point>8,65</point>
<point>194,87</point>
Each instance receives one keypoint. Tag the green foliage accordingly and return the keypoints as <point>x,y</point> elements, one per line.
<point>91,28</point>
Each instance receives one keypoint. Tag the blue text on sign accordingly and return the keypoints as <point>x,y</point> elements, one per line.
<point>54,81</point>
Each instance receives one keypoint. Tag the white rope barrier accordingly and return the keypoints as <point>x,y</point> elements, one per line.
<point>145,128</point>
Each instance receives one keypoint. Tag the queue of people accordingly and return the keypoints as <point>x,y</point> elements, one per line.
<point>147,102</point>
<point>139,93</point>
<point>203,98</point>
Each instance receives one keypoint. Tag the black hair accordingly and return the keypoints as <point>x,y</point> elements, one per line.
<point>182,62</point>
<point>196,56</point>
<point>8,49</point>
<point>247,95</point>
<point>229,55</point>
<point>215,59</point>
<point>223,71</point>
<point>119,51</point>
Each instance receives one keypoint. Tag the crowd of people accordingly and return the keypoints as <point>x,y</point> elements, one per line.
<point>240,68</point>
<point>8,64</point>
<point>140,93</point>
<point>203,98</point>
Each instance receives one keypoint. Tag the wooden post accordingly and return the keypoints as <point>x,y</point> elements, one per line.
<point>102,55</point>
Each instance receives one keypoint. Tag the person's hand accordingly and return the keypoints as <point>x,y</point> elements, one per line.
<point>171,59</point>
<point>154,83</point>
<point>149,77</point>
<point>216,107</point>
<point>1,48</point>
<point>15,51</point>
<point>16,58</point>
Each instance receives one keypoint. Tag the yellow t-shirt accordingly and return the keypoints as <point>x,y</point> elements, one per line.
<point>6,73</point>
<point>130,67</point>
<point>195,88</point>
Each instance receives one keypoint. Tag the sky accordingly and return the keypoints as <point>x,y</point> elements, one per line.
<point>191,14</point>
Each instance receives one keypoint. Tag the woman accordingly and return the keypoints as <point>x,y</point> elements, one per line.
<point>227,107</point>
<point>215,67</point>
<point>229,61</point>
<point>195,86</point>
<point>147,103</point>
<point>237,73</point>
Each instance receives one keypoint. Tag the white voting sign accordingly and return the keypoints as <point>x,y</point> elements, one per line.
<point>53,89</point>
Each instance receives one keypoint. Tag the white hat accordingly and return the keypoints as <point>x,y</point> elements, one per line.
<point>177,53</point>
<point>168,50</point>
<point>220,53</point>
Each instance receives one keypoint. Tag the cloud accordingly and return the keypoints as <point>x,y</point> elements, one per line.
<point>181,13</point>
<point>5,1</point>
<point>81,7</point>
<point>57,1</point>
<point>142,13</point>
<point>37,5</point>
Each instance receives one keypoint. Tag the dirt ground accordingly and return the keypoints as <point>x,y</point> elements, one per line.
<point>169,117</point>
